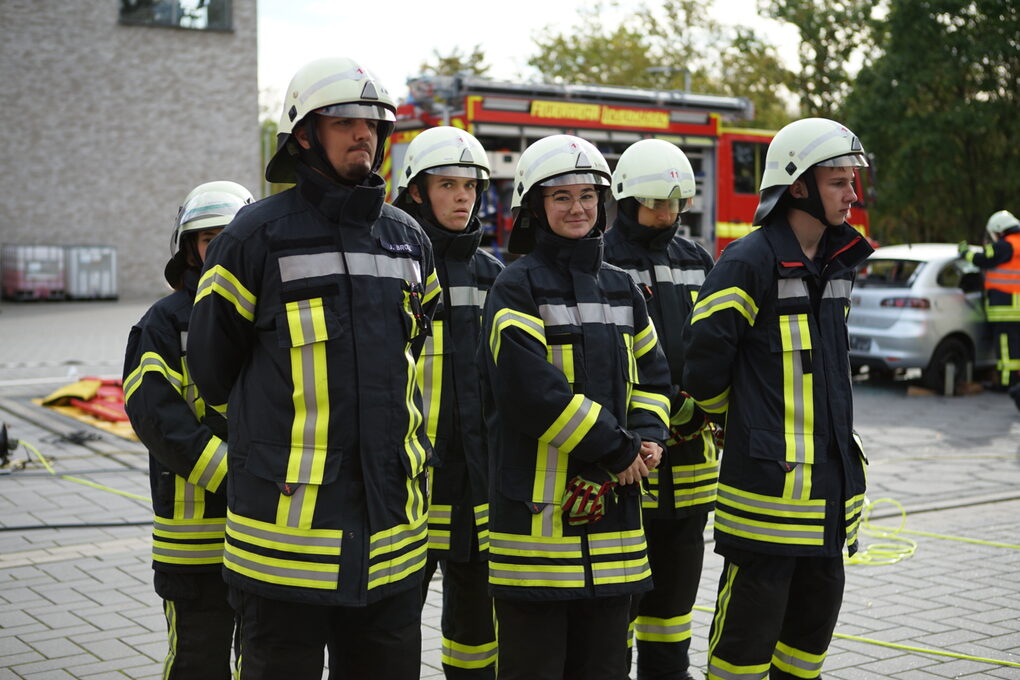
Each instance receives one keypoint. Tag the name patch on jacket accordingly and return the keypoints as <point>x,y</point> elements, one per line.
<point>412,249</point>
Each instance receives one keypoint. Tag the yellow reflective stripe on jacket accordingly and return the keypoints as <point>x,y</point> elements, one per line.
<point>432,287</point>
<point>307,324</point>
<point>189,500</point>
<point>482,525</point>
<point>620,571</point>
<point>562,357</point>
<point>187,553</point>
<point>798,389</point>
<point>791,508</point>
<point>211,468</point>
<point>283,538</point>
<point>650,401</point>
<point>220,281</point>
<point>573,423</point>
<point>654,629</point>
<point>460,655</point>
<point>769,532</point>
<point>854,508</point>
<point>550,481</point>
<point>797,663</point>
<point>413,449</point>
<point>508,318</point>
<point>727,298</point>
<point>301,573</point>
<point>188,529</point>
<point>440,517</point>
<point>541,547</point>
<point>645,341</point>
<point>695,484</point>
<point>385,566</point>
<point>716,404</point>
<point>187,541</point>
<point>430,378</point>
<point>151,361</point>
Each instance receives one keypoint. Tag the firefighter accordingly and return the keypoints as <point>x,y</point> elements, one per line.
<point>446,173</point>
<point>187,450</point>
<point>766,349</point>
<point>312,309</point>
<point>1001,258</point>
<point>653,183</point>
<point>579,401</point>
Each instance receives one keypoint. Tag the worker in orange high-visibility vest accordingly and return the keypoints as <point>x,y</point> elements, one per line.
<point>1001,259</point>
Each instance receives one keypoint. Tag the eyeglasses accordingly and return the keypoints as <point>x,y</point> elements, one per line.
<point>564,201</point>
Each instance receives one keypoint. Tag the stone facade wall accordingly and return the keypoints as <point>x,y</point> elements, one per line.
<point>108,126</point>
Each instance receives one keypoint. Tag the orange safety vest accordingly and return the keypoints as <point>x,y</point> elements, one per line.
<point>1006,276</point>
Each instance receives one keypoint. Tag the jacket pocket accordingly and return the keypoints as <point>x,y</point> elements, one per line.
<point>304,322</point>
<point>291,466</point>
<point>519,484</point>
<point>787,449</point>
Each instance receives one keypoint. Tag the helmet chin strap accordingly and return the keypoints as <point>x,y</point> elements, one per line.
<point>812,205</point>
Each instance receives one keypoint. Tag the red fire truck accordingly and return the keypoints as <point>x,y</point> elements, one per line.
<point>507,117</point>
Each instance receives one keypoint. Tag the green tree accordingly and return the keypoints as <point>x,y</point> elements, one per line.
<point>937,107</point>
<point>455,62</point>
<point>672,45</point>
<point>832,35</point>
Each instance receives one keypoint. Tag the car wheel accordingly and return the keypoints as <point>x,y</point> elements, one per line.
<point>950,363</point>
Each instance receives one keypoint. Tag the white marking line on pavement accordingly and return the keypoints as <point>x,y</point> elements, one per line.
<point>69,552</point>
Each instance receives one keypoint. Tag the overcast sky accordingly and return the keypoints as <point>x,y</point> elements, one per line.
<point>393,37</point>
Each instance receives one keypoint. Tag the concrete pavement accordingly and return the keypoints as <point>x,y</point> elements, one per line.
<point>78,602</point>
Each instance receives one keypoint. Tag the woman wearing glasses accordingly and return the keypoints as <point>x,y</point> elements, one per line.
<point>578,393</point>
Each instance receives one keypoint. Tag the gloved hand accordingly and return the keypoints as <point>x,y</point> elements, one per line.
<point>718,437</point>
<point>962,248</point>
<point>687,422</point>
<point>584,502</point>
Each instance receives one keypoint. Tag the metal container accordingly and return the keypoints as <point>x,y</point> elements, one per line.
<point>91,272</point>
<point>33,272</point>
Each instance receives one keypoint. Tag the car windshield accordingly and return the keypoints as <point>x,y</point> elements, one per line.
<point>887,273</point>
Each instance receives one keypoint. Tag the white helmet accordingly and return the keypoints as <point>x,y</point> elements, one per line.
<point>446,151</point>
<point>1001,222</point>
<point>801,145</point>
<point>334,86</point>
<point>654,169</point>
<point>556,160</point>
<point>208,206</point>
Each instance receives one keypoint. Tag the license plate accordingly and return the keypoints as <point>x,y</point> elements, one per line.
<point>860,343</point>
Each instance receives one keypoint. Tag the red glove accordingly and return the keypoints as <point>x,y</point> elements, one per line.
<point>585,500</point>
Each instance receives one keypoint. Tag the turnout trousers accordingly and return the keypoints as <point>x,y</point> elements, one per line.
<point>286,639</point>
<point>661,619</point>
<point>469,636</point>
<point>1006,338</point>
<point>774,616</point>
<point>200,626</point>
<point>562,639</point>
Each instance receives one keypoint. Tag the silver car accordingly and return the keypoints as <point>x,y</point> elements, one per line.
<point>920,306</point>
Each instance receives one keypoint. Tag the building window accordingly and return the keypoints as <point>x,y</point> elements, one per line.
<point>203,15</point>
<point>748,166</point>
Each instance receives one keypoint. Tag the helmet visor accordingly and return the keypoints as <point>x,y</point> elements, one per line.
<point>674,205</point>
<point>209,210</point>
<point>852,160</point>
<point>469,171</point>
<point>575,178</point>
<point>358,110</point>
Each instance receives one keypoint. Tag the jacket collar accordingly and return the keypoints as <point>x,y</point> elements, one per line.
<point>649,237</point>
<point>347,205</point>
<point>583,254</point>
<point>844,248</point>
<point>453,245</point>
